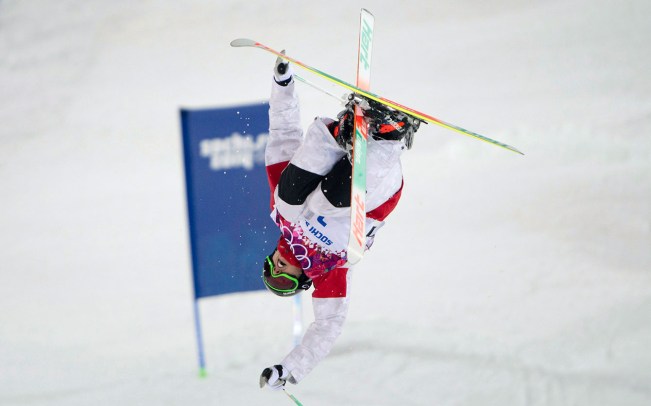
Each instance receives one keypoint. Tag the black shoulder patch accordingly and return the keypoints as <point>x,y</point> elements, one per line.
<point>296,184</point>
<point>337,183</point>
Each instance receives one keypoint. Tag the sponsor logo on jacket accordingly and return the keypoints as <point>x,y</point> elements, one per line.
<point>318,234</point>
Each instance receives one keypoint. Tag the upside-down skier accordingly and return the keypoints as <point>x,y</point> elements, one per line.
<point>310,181</point>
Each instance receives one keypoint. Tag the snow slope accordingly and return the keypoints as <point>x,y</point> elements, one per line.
<point>499,280</point>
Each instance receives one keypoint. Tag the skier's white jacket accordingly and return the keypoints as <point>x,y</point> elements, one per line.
<point>309,177</point>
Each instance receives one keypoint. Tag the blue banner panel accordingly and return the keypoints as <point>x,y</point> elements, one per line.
<point>227,197</point>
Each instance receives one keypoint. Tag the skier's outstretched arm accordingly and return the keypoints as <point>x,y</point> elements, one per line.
<point>320,337</point>
<point>285,133</point>
<point>330,303</point>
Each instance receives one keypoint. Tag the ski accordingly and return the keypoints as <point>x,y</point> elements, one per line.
<point>244,42</point>
<point>357,237</point>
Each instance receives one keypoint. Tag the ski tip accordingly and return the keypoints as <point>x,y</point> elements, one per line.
<point>243,42</point>
<point>514,149</point>
<point>365,11</point>
<point>517,150</point>
<point>505,146</point>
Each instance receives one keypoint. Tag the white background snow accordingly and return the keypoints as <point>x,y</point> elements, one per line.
<point>499,280</point>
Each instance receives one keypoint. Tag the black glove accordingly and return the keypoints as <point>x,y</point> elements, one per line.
<point>275,377</point>
<point>282,71</point>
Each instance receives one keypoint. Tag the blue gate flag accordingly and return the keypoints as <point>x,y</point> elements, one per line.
<point>227,197</point>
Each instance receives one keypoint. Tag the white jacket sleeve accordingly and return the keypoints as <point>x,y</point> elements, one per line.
<point>319,152</point>
<point>285,133</point>
<point>329,317</point>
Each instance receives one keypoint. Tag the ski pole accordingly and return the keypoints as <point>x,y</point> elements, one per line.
<point>292,397</point>
<point>342,100</point>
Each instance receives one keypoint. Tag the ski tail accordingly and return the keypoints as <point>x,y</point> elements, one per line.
<point>365,49</point>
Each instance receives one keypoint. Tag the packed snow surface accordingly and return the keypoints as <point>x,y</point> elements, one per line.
<point>499,280</point>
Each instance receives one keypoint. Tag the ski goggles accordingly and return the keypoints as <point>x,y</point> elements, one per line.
<point>279,282</point>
